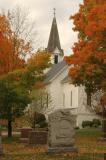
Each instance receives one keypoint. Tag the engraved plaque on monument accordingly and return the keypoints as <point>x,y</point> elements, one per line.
<point>61,131</point>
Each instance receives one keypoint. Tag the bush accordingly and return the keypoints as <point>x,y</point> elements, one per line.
<point>87,124</point>
<point>41,120</point>
<point>96,122</point>
<point>3,127</point>
<point>93,123</point>
<point>43,124</point>
<point>77,128</point>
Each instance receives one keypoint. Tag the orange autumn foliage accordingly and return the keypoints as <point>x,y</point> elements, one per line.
<point>39,85</point>
<point>5,28</point>
<point>8,60</point>
<point>89,58</point>
<point>12,47</point>
<point>40,60</point>
<point>36,66</point>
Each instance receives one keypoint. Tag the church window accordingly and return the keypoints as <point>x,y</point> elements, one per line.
<point>71,99</point>
<point>63,99</point>
<point>56,59</point>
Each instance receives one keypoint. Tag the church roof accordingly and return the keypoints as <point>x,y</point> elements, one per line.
<point>56,68</point>
<point>66,79</point>
<point>54,40</point>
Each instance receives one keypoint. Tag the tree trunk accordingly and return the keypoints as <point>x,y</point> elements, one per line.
<point>89,99</point>
<point>9,128</point>
<point>33,125</point>
<point>33,121</point>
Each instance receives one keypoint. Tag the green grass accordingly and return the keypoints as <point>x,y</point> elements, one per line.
<point>86,157</point>
<point>6,139</point>
<point>89,132</point>
<point>54,157</point>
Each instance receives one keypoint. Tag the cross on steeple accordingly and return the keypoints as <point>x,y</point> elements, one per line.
<point>54,11</point>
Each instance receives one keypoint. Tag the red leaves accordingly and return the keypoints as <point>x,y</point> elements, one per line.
<point>96,20</point>
<point>73,72</point>
<point>9,57</point>
<point>89,58</point>
<point>91,28</point>
<point>39,85</point>
<point>91,68</point>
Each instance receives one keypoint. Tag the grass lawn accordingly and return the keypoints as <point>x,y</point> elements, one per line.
<point>90,148</point>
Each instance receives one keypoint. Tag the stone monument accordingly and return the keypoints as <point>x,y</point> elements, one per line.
<point>38,137</point>
<point>25,135</point>
<point>61,125</point>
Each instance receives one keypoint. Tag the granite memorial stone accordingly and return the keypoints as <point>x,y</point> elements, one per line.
<point>61,131</point>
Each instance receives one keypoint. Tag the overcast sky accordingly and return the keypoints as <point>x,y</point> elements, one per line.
<point>42,12</point>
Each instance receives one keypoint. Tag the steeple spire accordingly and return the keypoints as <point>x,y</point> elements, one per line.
<point>54,11</point>
<point>54,40</point>
<point>54,46</point>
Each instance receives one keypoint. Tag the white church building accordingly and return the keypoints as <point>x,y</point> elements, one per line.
<point>63,93</point>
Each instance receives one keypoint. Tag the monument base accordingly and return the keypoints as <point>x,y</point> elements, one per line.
<point>62,150</point>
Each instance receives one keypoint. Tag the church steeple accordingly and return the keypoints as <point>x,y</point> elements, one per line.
<point>54,41</point>
<point>54,11</point>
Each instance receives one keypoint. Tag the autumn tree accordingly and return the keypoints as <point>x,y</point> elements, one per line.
<point>24,75</point>
<point>34,78</point>
<point>17,36</point>
<point>35,67</point>
<point>89,58</point>
<point>13,98</point>
<point>9,58</point>
<point>17,86</point>
<point>24,28</point>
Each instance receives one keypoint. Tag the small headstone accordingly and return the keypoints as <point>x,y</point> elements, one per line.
<point>25,134</point>
<point>38,137</point>
<point>61,131</point>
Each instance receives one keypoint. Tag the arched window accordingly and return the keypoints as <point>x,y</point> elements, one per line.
<point>56,59</point>
<point>63,99</point>
<point>71,99</point>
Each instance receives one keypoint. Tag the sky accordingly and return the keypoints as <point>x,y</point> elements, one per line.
<point>42,12</point>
